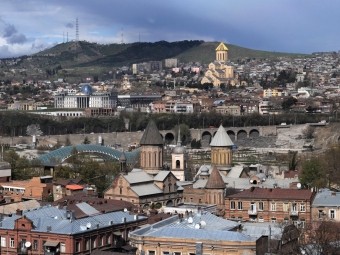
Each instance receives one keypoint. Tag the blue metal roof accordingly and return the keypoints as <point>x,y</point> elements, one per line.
<point>54,220</point>
<point>58,156</point>
<point>210,227</point>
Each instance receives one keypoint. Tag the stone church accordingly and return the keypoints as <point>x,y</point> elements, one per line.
<point>209,186</point>
<point>149,185</point>
<point>219,71</point>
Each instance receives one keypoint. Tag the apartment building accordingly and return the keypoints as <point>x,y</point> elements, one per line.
<point>326,206</point>
<point>271,205</point>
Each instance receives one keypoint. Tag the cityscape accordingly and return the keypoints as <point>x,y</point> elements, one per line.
<point>166,146</point>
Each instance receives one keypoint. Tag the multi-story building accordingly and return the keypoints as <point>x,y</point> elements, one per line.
<point>271,205</point>
<point>234,110</point>
<point>53,231</point>
<point>85,98</point>
<point>170,62</point>
<point>193,233</point>
<point>40,188</point>
<point>326,205</point>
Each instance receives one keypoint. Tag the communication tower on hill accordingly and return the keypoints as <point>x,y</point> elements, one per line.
<point>77,30</point>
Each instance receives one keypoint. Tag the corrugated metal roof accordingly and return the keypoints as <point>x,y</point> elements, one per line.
<point>326,197</point>
<point>87,209</point>
<point>138,176</point>
<point>211,228</point>
<point>161,175</point>
<point>221,138</point>
<point>54,220</point>
<point>146,189</point>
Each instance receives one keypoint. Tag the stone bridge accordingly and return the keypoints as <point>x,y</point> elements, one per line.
<point>234,133</point>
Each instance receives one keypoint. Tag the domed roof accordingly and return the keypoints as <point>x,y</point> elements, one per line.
<point>86,89</point>
<point>179,150</point>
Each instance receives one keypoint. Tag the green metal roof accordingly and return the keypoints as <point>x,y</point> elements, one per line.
<point>58,156</point>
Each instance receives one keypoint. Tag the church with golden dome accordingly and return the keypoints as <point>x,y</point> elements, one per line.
<point>218,71</point>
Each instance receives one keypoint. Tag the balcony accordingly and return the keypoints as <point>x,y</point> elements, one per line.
<point>293,213</point>
<point>252,212</point>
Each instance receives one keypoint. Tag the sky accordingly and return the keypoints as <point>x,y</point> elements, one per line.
<point>295,26</point>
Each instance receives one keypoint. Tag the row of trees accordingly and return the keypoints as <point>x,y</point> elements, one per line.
<point>15,123</point>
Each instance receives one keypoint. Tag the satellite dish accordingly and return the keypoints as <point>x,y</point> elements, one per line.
<point>88,225</point>
<point>299,185</point>
<point>125,210</point>
<point>203,223</point>
<point>251,181</point>
<point>190,220</point>
<point>197,226</point>
<point>28,244</point>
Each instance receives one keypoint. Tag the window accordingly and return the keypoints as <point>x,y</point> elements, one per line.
<point>285,207</point>
<point>273,220</point>
<point>3,241</point>
<point>11,242</point>
<point>94,242</point>
<point>87,244</point>
<point>102,240</point>
<point>232,205</point>
<point>303,223</point>
<point>177,253</point>
<point>286,220</point>
<point>273,207</point>
<point>166,253</point>
<point>77,246</point>
<point>151,253</point>
<point>302,207</point>
<point>261,206</point>
<point>294,207</point>
<point>321,214</point>
<point>62,247</point>
<point>239,205</point>
<point>331,214</point>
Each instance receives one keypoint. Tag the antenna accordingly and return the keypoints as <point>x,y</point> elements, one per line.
<point>122,37</point>
<point>63,36</point>
<point>77,30</point>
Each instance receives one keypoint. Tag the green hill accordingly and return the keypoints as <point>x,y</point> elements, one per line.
<point>85,54</point>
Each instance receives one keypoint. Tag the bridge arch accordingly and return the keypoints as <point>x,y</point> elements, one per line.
<point>60,155</point>
<point>206,136</point>
<point>231,134</point>
<point>241,134</point>
<point>169,138</point>
<point>254,133</point>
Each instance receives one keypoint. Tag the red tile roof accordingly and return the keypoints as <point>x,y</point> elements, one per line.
<point>74,187</point>
<point>278,193</point>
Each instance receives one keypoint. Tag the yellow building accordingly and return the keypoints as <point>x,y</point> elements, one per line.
<point>219,72</point>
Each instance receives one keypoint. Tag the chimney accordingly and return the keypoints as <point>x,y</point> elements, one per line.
<point>19,212</point>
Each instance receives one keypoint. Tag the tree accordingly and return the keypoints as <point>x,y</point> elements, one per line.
<point>309,132</point>
<point>288,103</point>
<point>293,162</point>
<point>312,174</point>
<point>86,140</point>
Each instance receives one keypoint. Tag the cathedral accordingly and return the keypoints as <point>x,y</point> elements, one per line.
<point>218,71</point>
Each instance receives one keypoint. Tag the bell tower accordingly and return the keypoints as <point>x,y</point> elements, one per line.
<point>222,53</point>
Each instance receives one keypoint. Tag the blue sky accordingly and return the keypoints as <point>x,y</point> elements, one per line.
<point>302,26</point>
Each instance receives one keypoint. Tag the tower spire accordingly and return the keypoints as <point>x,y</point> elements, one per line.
<point>179,143</point>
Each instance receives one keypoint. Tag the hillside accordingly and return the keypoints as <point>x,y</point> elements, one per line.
<point>82,54</point>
